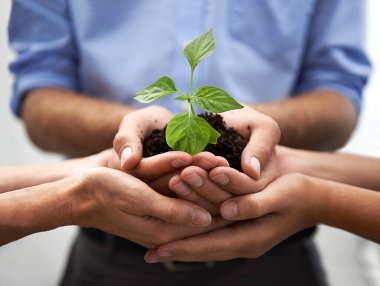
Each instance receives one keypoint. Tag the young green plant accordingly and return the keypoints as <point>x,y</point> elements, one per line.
<point>187,131</point>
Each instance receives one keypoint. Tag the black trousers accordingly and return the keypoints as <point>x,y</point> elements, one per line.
<point>290,264</point>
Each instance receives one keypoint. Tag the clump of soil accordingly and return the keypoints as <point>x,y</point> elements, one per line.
<point>230,144</point>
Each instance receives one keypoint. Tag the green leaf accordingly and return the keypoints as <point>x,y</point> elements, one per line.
<point>214,135</point>
<point>181,98</point>
<point>214,99</point>
<point>162,87</point>
<point>188,132</point>
<point>200,48</point>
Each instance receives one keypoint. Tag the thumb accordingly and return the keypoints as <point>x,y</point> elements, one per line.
<point>128,144</point>
<point>260,148</point>
<point>251,206</point>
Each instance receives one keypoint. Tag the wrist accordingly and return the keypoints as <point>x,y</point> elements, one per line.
<point>320,196</point>
<point>76,167</point>
<point>291,161</point>
<point>82,198</point>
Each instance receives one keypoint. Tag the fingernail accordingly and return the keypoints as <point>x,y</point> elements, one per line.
<point>229,209</point>
<point>152,260</point>
<point>127,151</point>
<point>221,179</point>
<point>200,217</point>
<point>255,163</point>
<point>194,180</point>
<point>181,189</point>
<point>177,163</point>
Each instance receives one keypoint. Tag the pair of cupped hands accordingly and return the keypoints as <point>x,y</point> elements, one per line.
<point>197,208</point>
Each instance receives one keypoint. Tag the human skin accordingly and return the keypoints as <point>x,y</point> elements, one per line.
<point>261,131</point>
<point>292,202</point>
<point>262,134</point>
<point>81,192</point>
<point>316,120</point>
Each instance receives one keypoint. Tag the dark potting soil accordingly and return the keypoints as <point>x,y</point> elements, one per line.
<point>230,144</point>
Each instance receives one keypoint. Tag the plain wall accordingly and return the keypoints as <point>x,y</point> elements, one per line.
<point>38,259</point>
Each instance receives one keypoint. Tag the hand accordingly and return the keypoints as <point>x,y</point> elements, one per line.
<point>120,204</point>
<point>263,134</point>
<point>286,206</point>
<point>210,189</point>
<point>133,129</point>
<point>157,170</point>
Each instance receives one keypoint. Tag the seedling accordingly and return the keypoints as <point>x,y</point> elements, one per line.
<point>187,131</point>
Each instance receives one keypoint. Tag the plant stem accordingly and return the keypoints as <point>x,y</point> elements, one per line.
<point>189,99</point>
<point>191,82</point>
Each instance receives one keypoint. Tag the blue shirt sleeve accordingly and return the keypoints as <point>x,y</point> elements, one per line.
<point>40,33</point>
<point>334,57</point>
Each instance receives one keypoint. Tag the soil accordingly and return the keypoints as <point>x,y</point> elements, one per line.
<point>230,144</point>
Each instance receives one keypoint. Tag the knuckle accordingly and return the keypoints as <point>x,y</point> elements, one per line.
<point>251,207</point>
<point>264,151</point>
<point>172,214</point>
<point>272,126</point>
<point>276,131</point>
<point>119,141</point>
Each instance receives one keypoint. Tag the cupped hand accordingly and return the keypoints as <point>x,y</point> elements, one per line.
<point>120,204</point>
<point>157,170</point>
<point>210,189</point>
<point>266,218</point>
<point>263,134</point>
<point>133,129</point>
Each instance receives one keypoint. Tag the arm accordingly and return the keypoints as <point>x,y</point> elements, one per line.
<point>308,201</point>
<point>318,120</point>
<point>360,171</point>
<point>326,97</point>
<point>106,199</point>
<point>14,178</point>
<point>71,123</point>
<point>266,218</point>
<point>47,73</point>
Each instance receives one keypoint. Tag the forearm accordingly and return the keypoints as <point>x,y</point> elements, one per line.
<point>70,123</point>
<point>350,208</point>
<point>38,208</point>
<point>15,178</point>
<point>319,120</point>
<point>360,171</point>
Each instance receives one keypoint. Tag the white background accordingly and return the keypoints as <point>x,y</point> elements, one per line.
<point>39,259</point>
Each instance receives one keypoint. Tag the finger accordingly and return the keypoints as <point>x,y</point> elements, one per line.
<point>233,181</point>
<point>133,129</point>
<point>252,205</point>
<point>263,139</point>
<point>171,210</point>
<point>207,160</point>
<point>154,167</point>
<point>222,162</point>
<point>249,239</point>
<point>161,185</point>
<point>128,141</point>
<point>183,191</point>
<point>198,180</point>
<point>152,232</point>
<point>212,246</point>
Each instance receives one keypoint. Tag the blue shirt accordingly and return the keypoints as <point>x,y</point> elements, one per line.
<point>265,49</point>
